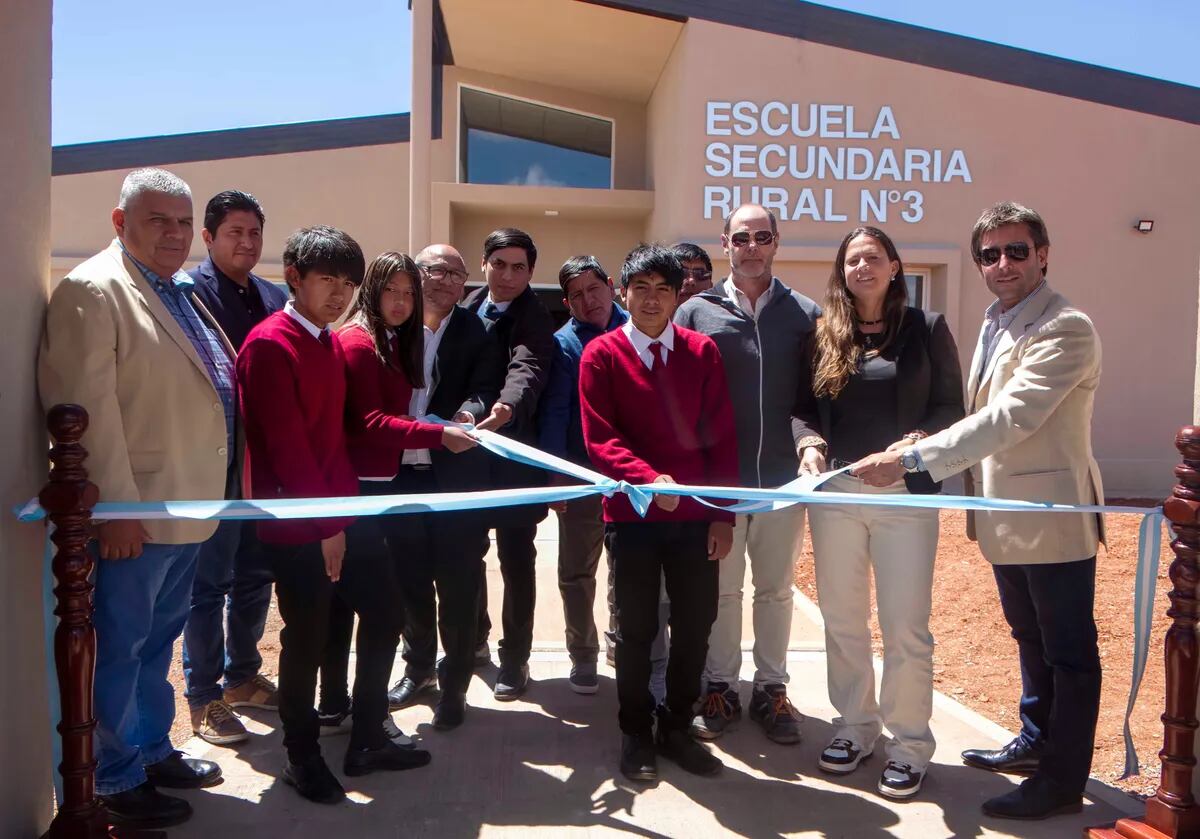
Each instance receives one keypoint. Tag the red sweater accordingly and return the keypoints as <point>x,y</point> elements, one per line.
<point>378,428</point>
<point>293,395</point>
<point>638,425</point>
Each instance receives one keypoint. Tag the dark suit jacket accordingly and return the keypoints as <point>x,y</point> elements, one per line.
<point>235,324</point>
<point>467,373</point>
<point>929,389</point>
<point>525,334</point>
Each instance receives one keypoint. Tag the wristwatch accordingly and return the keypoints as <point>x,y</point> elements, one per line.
<point>910,461</point>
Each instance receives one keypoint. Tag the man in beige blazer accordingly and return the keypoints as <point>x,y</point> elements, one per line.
<point>1027,436</point>
<point>125,339</point>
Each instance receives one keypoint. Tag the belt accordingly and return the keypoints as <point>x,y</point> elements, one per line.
<point>417,467</point>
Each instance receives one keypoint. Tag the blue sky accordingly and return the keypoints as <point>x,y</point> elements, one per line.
<point>166,69</point>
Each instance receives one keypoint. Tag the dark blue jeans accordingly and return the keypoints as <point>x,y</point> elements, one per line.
<point>1049,608</point>
<point>221,640</point>
<point>141,605</point>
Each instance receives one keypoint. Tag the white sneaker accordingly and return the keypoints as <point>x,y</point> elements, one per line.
<point>900,780</point>
<point>842,756</point>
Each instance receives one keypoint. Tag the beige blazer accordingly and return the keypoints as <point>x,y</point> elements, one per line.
<point>1027,436</point>
<point>156,426</point>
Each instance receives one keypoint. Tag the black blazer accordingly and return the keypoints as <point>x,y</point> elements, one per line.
<point>929,387</point>
<point>467,372</point>
<point>525,335</point>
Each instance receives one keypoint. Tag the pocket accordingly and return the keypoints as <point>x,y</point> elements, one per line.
<point>1033,473</point>
<point>1054,485</point>
<point>145,462</point>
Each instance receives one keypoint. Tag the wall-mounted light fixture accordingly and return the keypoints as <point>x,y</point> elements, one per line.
<point>555,212</point>
<point>1144,225</point>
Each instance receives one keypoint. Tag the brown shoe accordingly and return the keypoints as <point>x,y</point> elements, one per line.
<point>257,692</point>
<point>217,723</point>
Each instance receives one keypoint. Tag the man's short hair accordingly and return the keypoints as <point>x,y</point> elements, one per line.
<point>510,237</point>
<point>687,252</point>
<point>230,201</point>
<point>770,215</point>
<point>652,259</point>
<point>577,265</point>
<point>151,179</point>
<point>1009,212</point>
<point>326,250</point>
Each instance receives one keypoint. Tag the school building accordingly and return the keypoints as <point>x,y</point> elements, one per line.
<point>596,124</point>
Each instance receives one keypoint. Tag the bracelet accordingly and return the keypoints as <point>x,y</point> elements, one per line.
<point>914,436</point>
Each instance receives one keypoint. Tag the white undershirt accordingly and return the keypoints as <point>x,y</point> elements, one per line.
<point>418,405</point>
<point>641,342</point>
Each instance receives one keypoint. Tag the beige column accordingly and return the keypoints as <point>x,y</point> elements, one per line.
<point>420,125</point>
<point>25,782</point>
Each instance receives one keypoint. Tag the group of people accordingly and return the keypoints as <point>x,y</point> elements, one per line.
<point>216,383</point>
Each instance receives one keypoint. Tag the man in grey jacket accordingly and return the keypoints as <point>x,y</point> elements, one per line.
<point>761,327</point>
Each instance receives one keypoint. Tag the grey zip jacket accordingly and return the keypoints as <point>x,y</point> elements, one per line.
<point>762,366</point>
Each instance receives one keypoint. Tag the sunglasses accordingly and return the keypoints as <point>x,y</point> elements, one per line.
<point>697,274</point>
<point>762,238</point>
<point>1016,251</point>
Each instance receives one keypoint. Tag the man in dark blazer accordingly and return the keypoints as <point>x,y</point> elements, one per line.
<point>524,330</point>
<point>440,555</point>
<point>231,566</point>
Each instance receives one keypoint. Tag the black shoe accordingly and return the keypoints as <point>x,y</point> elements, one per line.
<point>449,712</point>
<point>389,756</point>
<point>511,682</point>
<point>179,772</point>
<point>144,806</point>
<point>771,709</point>
<point>313,780</point>
<point>677,745</point>
<point>638,762</point>
<point>1035,798</point>
<point>405,691</point>
<point>720,710</point>
<point>1016,758</point>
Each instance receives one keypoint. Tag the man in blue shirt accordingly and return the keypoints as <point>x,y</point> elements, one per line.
<point>588,294</point>
<point>231,565</point>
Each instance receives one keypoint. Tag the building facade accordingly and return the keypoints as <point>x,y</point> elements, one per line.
<point>596,125</point>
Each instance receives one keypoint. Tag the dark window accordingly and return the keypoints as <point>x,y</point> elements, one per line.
<point>508,141</point>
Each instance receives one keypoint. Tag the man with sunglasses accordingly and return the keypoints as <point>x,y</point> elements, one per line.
<point>697,270</point>
<point>1027,436</point>
<point>760,327</point>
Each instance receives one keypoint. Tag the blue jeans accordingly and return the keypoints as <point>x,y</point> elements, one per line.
<point>231,567</point>
<point>141,605</point>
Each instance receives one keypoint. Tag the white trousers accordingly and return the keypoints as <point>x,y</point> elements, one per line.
<point>899,545</point>
<point>772,541</point>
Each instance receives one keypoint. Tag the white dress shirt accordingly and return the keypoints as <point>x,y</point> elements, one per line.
<point>418,405</point>
<point>641,342</point>
<point>739,298</point>
<point>309,327</point>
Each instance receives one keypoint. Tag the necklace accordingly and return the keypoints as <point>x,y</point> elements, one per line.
<point>862,322</point>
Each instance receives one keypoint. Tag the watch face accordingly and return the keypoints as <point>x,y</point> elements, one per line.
<point>909,460</point>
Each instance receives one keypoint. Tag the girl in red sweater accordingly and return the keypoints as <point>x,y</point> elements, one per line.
<point>383,341</point>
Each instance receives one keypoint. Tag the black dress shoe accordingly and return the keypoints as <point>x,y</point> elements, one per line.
<point>511,682</point>
<point>1035,798</point>
<point>638,762</point>
<point>179,772</point>
<point>405,691</point>
<point>449,712</point>
<point>1016,758</point>
<point>313,780</point>
<point>145,807</point>
<point>388,757</point>
<point>677,745</point>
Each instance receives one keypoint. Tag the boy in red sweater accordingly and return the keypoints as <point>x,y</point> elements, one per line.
<point>655,409</point>
<point>292,382</point>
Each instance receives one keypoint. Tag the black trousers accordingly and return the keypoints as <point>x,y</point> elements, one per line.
<point>306,597</point>
<point>1049,608</point>
<point>515,548</point>
<point>643,554</point>
<point>437,557</point>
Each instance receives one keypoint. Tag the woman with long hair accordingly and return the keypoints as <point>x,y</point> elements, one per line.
<point>879,375</point>
<point>383,341</point>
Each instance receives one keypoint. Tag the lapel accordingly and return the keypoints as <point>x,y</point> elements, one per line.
<point>1030,312</point>
<point>447,344</point>
<point>150,301</point>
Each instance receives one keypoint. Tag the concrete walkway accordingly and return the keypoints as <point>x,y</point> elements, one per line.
<point>545,766</point>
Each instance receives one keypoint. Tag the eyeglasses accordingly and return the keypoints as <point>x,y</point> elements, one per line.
<point>444,272</point>
<point>1016,251</point>
<point>698,275</point>
<point>762,238</point>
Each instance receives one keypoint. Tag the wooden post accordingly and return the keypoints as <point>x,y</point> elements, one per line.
<point>1173,813</point>
<point>68,498</point>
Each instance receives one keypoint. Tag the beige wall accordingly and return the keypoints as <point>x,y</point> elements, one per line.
<point>1091,170</point>
<point>362,190</point>
<point>25,781</point>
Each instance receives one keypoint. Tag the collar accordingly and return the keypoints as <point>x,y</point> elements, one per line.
<point>739,298</point>
<point>641,341</point>
<point>180,280</point>
<point>221,276</point>
<point>309,327</point>
<point>500,307</point>
<point>1005,319</point>
<point>441,330</point>
<point>616,318</point>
